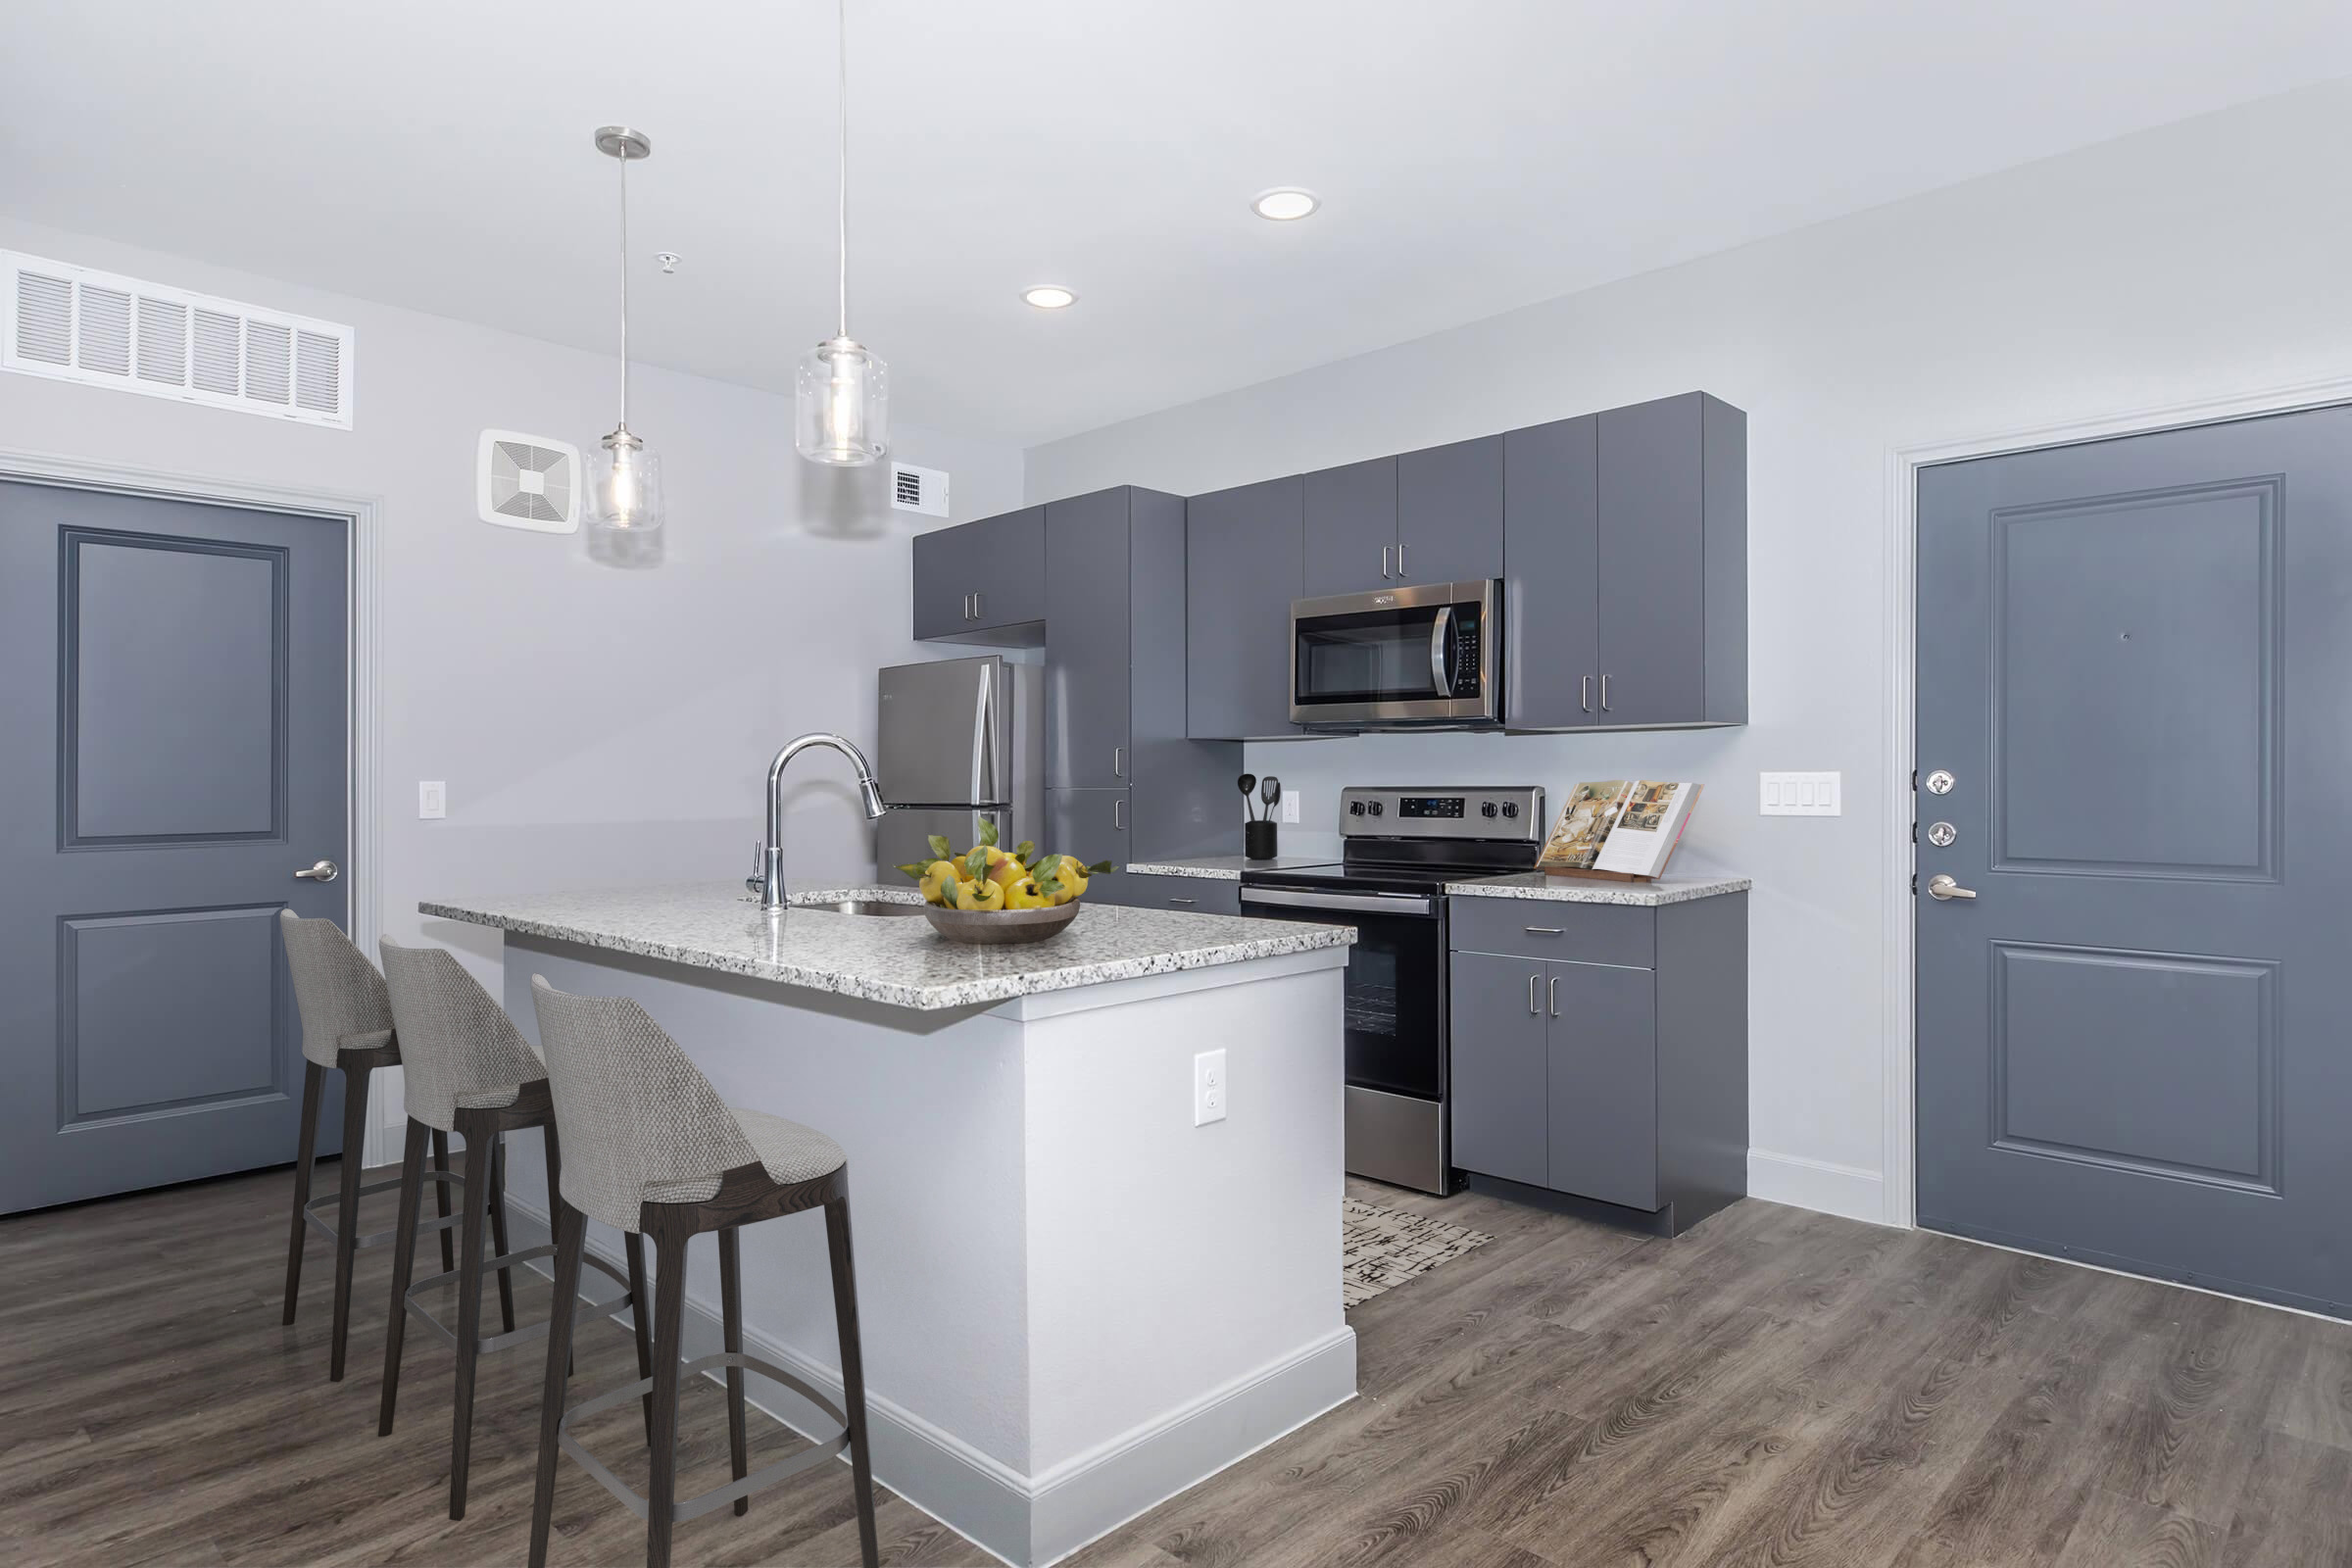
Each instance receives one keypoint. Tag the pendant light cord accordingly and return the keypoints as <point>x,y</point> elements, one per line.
<point>841,34</point>
<point>624,287</point>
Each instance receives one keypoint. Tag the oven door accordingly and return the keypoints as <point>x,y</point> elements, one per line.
<point>1425,654</point>
<point>1396,981</point>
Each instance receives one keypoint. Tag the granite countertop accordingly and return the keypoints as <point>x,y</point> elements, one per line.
<point>1227,867</point>
<point>1573,890</point>
<point>900,962</point>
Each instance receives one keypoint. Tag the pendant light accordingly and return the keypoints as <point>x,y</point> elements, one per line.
<point>624,479</point>
<point>842,393</point>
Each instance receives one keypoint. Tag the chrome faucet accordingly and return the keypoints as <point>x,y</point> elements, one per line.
<point>768,882</point>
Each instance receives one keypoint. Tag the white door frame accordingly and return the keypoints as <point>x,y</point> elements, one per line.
<point>1903,463</point>
<point>362,517</point>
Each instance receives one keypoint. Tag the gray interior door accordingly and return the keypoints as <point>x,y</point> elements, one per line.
<point>172,690</point>
<point>2135,659</point>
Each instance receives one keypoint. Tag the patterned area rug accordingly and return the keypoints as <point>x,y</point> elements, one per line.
<point>1382,1248</point>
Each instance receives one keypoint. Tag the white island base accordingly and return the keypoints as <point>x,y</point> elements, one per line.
<point>1075,1302</point>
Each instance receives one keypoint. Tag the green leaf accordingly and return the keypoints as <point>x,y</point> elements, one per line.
<point>1049,885</point>
<point>988,832</point>
<point>914,871</point>
<point>1100,866</point>
<point>939,848</point>
<point>976,863</point>
<point>1023,850</point>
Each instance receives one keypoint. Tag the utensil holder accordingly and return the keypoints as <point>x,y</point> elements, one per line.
<point>1258,840</point>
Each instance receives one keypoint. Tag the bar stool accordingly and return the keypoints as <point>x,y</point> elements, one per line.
<point>653,1150</point>
<point>470,1071</point>
<point>346,1027</point>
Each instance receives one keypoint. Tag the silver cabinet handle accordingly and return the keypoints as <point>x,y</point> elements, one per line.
<point>1384,560</point>
<point>327,871</point>
<point>1540,930</point>
<point>1533,1011</point>
<point>1584,694</point>
<point>1118,816</point>
<point>979,605</point>
<point>1604,694</point>
<point>1118,761</point>
<point>1552,988</point>
<point>1942,888</point>
<point>1400,571</point>
<point>1174,899</point>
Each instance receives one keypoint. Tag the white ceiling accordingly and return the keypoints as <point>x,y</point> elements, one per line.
<point>1473,156</point>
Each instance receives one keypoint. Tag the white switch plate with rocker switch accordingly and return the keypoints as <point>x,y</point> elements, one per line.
<point>1208,1088</point>
<point>1290,803</point>
<point>1799,794</point>
<point>432,799</point>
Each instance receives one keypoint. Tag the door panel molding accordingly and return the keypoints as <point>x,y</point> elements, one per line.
<point>362,577</point>
<point>1898,1128</point>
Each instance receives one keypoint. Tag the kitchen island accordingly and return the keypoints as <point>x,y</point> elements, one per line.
<point>1074,1300</point>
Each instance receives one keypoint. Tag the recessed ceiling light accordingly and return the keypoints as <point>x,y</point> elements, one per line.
<point>1284,203</point>
<point>1049,297</point>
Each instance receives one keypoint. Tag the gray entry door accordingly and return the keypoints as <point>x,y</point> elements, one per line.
<point>173,693</point>
<point>2135,662</point>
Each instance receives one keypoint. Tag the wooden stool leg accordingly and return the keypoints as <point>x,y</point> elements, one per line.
<point>572,1233</point>
<point>730,1293</point>
<point>314,1082</point>
<point>480,1140</point>
<point>347,1210</point>
<point>852,1373</point>
<point>449,1258</point>
<point>404,1262</point>
<point>641,1315</point>
<point>670,1319</point>
<point>498,1231</point>
<point>554,1151</point>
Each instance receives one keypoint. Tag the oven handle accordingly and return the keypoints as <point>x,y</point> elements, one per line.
<point>1342,902</point>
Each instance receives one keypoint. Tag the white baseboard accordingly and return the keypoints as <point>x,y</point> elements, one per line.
<point>1816,1184</point>
<point>1033,1521</point>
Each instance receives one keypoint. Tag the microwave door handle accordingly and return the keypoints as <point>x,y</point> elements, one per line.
<point>1440,652</point>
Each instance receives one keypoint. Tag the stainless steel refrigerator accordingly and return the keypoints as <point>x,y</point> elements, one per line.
<point>958,741</point>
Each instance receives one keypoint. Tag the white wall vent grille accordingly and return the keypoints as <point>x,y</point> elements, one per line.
<point>923,490</point>
<point>527,482</point>
<point>76,324</point>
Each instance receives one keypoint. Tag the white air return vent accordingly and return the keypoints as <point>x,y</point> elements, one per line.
<point>527,482</point>
<point>923,490</point>
<point>76,324</point>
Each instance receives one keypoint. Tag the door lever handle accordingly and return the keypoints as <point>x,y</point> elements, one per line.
<point>1942,888</point>
<point>322,872</point>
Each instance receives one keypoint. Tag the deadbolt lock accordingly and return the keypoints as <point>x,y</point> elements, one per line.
<point>1941,782</point>
<point>1942,835</point>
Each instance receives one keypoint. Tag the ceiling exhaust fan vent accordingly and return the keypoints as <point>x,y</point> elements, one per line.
<point>72,324</point>
<point>527,482</point>
<point>923,490</point>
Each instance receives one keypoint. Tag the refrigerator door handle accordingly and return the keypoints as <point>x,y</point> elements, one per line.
<point>984,734</point>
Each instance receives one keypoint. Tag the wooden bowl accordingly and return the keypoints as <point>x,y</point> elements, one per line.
<point>1000,927</point>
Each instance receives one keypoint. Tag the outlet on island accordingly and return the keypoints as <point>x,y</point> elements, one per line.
<point>1208,1088</point>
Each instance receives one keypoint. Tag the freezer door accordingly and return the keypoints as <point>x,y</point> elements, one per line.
<point>900,837</point>
<point>944,732</point>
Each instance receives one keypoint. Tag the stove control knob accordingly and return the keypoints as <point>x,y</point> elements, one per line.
<point>1511,807</point>
<point>1355,808</point>
<point>1487,809</point>
<point>1373,806</point>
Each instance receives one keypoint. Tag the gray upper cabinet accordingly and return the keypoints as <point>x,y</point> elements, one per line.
<point>984,582</point>
<point>1244,563</point>
<point>1349,527</point>
<point>1671,504</point>
<point>1551,604</point>
<point>1450,512</point>
<point>1116,683</point>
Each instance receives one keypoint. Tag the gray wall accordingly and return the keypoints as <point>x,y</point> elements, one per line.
<point>593,725</point>
<point>2183,263</point>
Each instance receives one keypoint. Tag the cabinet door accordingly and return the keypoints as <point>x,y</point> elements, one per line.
<point>1498,1067</point>
<point>1349,528</point>
<point>1008,569</point>
<point>1088,643</point>
<point>1242,568</point>
<point>1091,824</point>
<point>945,565</point>
<point>1603,1044</point>
<point>1450,512</point>
<point>1550,628</point>
<point>1651,566</point>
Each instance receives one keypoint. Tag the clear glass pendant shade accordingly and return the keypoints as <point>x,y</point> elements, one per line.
<point>624,486</point>
<point>842,412</point>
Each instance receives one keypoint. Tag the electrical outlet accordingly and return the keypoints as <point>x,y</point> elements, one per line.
<point>432,799</point>
<point>1289,804</point>
<point>1800,794</point>
<point>1208,1088</point>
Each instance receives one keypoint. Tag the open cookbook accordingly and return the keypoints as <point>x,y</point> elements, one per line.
<point>1619,827</point>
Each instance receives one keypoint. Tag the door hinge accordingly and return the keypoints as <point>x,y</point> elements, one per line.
<point>1915,781</point>
<point>1914,832</point>
<point>1915,882</point>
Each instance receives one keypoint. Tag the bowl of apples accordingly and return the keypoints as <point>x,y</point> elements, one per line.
<point>992,897</point>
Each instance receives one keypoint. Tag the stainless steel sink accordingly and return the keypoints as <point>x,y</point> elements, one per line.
<point>864,906</point>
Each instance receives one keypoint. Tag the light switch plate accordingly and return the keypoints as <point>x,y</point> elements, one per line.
<point>1800,794</point>
<point>1290,807</point>
<point>1208,1088</point>
<point>432,799</point>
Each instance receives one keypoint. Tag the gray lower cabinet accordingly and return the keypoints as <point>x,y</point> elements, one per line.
<point>984,582</point>
<point>1188,895</point>
<point>1604,1054</point>
<point>1243,565</point>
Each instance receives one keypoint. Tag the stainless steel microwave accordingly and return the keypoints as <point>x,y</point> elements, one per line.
<point>1426,654</point>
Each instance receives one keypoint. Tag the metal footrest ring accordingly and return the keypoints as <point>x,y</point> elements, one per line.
<point>492,1344</point>
<point>315,1211</point>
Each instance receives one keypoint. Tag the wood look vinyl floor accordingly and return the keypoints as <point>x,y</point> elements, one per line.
<point>1774,1387</point>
